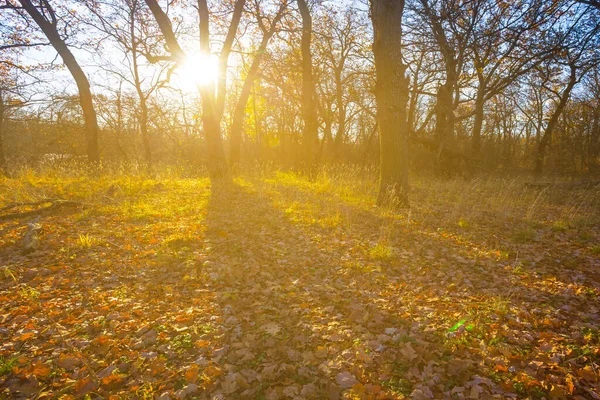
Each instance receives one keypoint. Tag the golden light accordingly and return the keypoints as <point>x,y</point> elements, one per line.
<point>197,71</point>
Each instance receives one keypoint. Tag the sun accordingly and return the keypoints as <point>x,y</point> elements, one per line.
<point>197,71</point>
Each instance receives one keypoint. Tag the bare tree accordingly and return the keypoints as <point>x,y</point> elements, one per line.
<point>268,29</point>
<point>125,22</point>
<point>212,104</point>
<point>44,15</point>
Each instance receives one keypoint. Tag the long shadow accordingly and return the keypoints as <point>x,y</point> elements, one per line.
<point>297,320</point>
<point>438,279</point>
<point>258,298</point>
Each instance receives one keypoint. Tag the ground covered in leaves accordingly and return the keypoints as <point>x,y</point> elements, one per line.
<point>279,287</point>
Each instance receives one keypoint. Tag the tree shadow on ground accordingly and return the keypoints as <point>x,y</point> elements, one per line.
<point>296,319</point>
<point>516,318</point>
<point>274,292</point>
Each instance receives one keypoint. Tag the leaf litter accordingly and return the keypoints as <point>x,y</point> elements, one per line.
<point>272,289</point>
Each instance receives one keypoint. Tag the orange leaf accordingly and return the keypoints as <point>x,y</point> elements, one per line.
<point>25,337</point>
<point>113,378</point>
<point>191,375</point>
<point>40,370</point>
<point>501,368</point>
<point>85,385</point>
<point>570,384</point>
<point>213,371</point>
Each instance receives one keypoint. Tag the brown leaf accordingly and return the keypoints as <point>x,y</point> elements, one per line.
<point>408,352</point>
<point>68,362</point>
<point>345,380</point>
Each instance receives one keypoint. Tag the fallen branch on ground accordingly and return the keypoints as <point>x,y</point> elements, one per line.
<point>54,205</point>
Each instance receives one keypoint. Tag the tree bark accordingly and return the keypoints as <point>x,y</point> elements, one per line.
<point>392,98</point>
<point>444,107</point>
<point>50,30</point>
<point>341,110</point>
<point>211,115</point>
<point>593,149</point>
<point>547,135</point>
<point>2,154</point>
<point>478,122</point>
<point>140,92</point>
<point>211,121</point>
<point>224,55</point>
<point>309,111</point>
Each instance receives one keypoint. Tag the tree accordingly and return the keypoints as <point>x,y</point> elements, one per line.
<point>309,110</point>
<point>392,97</point>
<point>239,114</point>
<point>44,15</point>
<point>578,54</point>
<point>125,22</point>
<point>592,3</point>
<point>212,104</point>
<point>505,48</point>
<point>452,26</point>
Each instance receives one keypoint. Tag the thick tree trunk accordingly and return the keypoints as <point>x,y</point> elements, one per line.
<point>547,135</point>
<point>211,121</point>
<point>85,95</point>
<point>392,97</point>
<point>444,126</point>
<point>309,111</point>
<point>239,114</point>
<point>212,107</point>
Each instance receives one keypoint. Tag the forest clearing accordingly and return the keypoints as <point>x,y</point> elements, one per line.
<point>299,199</point>
<point>280,287</point>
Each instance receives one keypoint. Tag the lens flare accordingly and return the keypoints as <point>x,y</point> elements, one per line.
<point>197,71</point>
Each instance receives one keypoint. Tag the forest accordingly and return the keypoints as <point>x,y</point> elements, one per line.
<point>300,199</point>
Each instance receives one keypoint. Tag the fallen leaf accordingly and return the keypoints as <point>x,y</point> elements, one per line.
<point>345,380</point>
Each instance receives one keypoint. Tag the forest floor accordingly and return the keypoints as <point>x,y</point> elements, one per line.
<point>282,288</point>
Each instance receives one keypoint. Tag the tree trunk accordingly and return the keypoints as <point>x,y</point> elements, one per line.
<point>2,155</point>
<point>547,135</point>
<point>341,109</point>
<point>144,131</point>
<point>239,114</point>
<point>444,127</point>
<point>392,97</point>
<point>224,56</point>
<point>140,92</point>
<point>478,122</point>
<point>211,106</point>
<point>594,141</point>
<point>309,112</point>
<point>85,95</point>
<point>211,121</point>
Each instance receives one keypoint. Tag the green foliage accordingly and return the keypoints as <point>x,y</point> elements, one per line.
<point>7,364</point>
